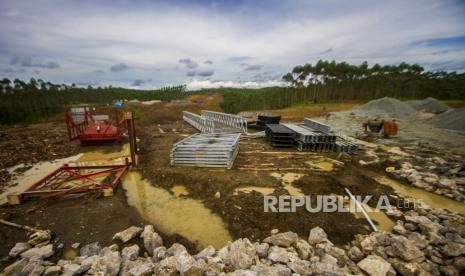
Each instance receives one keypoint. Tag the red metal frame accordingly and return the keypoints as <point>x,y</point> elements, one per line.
<point>95,132</point>
<point>51,184</point>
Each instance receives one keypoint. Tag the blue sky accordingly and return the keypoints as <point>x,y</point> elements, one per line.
<point>147,44</point>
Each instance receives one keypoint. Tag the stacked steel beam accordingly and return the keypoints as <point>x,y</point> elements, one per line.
<point>279,135</point>
<point>316,136</point>
<point>206,150</point>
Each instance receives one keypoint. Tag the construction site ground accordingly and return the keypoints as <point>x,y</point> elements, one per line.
<point>233,195</point>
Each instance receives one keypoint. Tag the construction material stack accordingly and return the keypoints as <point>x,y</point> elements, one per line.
<point>280,136</point>
<point>216,122</point>
<point>315,136</point>
<point>206,150</point>
<point>263,120</point>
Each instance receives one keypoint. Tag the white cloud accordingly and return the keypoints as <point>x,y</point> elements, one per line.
<point>152,37</point>
<point>195,84</point>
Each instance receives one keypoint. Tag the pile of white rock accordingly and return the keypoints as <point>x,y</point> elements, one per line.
<point>435,175</point>
<point>423,242</point>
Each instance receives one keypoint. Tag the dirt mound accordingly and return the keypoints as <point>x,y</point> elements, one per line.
<point>386,106</point>
<point>454,119</point>
<point>430,105</point>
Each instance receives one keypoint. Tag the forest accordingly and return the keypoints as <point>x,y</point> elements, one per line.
<point>331,81</point>
<point>324,81</point>
<point>29,101</point>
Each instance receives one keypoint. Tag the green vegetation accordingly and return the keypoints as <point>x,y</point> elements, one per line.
<point>22,102</point>
<point>326,81</point>
<point>329,81</point>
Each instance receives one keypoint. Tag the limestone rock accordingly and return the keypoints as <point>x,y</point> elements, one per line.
<point>130,253</point>
<point>15,268</point>
<point>54,270</point>
<point>19,248</point>
<point>301,267</point>
<point>186,264</point>
<point>39,238</point>
<point>206,252</point>
<point>405,249</point>
<point>262,250</point>
<point>38,252</point>
<point>151,239</point>
<point>304,249</point>
<point>140,268</point>
<point>108,263</point>
<point>282,239</point>
<point>453,249</point>
<point>167,267</point>
<point>241,254</point>
<point>70,269</point>
<point>128,234</point>
<point>317,235</point>
<point>355,254</point>
<point>424,223</point>
<point>90,249</point>
<point>175,249</point>
<point>327,266</point>
<point>278,254</point>
<point>376,266</point>
<point>159,254</point>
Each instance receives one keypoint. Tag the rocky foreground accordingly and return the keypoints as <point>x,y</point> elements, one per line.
<point>423,242</point>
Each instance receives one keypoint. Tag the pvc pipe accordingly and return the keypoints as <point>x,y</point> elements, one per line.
<point>373,226</point>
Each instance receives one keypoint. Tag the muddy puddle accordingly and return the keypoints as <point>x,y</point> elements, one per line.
<point>382,221</point>
<point>287,179</point>
<point>172,214</point>
<point>249,189</point>
<point>431,199</point>
<point>179,190</point>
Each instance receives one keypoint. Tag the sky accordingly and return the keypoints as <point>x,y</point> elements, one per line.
<point>205,44</point>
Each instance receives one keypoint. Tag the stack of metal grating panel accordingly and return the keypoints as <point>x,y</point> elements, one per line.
<point>279,135</point>
<point>206,150</point>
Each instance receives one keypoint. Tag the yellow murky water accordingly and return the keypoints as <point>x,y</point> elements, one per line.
<point>287,179</point>
<point>184,216</point>
<point>105,155</point>
<point>323,164</point>
<point>248,189</point>
<point>179,190</point>
<point>382,221</point>
<point>431,199</point>
<point>70,254</point>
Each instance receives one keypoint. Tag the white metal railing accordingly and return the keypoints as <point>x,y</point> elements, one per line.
<point>229,120</point>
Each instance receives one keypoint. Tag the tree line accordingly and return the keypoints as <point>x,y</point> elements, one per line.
<point>22,101</point>
<point>334,81</point>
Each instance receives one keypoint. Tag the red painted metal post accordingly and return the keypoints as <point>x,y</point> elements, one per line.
<point>132,138</point>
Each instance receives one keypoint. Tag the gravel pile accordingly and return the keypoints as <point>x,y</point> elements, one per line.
<point>430,105</point>
<point>386,106</point>
<point>453,119</point>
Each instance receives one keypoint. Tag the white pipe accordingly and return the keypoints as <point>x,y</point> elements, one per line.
<point>352,197</point>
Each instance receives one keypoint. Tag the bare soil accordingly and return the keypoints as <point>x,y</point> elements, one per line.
<point>29,144</point>
<point>87,219</point>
